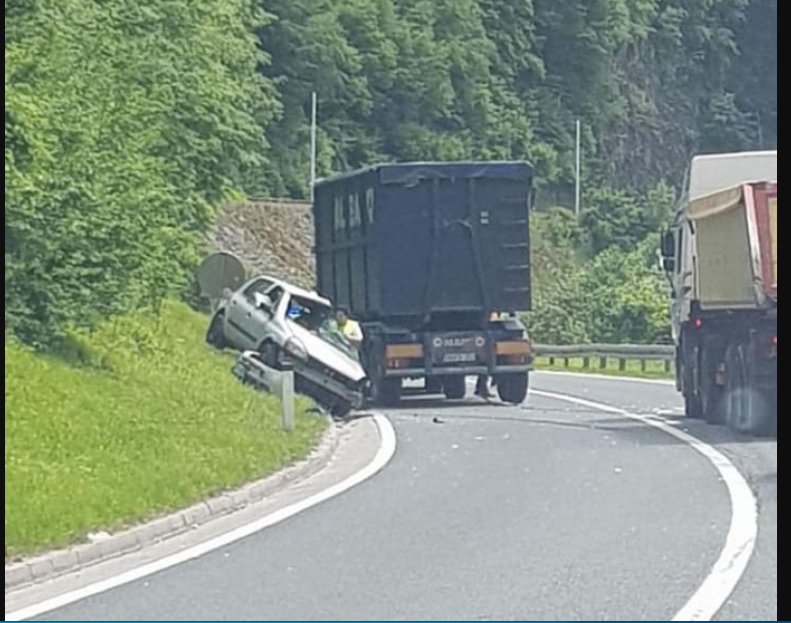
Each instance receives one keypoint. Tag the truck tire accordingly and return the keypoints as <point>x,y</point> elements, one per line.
<point>455,387</point>
<point>433,385</point>
<point>690,360</point>
<point>512,388</point>
<point>751,410</point>
<point>215,337</point>
<point>385,392</point>
<point>712,395</point>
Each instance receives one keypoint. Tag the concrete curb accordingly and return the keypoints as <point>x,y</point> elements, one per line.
<point>60,562</point>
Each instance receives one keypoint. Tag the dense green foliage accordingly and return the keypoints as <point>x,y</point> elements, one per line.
<point>612,297</point>
<point>127,124</point>
<point>652,80</point>
<point>131,430</point>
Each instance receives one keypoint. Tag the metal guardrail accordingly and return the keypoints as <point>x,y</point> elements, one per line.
<point>601,355</point>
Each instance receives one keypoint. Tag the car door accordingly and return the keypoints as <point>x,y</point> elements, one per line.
<point>260,322</point>
<point>242,313</point>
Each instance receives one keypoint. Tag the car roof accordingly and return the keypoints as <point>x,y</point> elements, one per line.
<point>292,289</point>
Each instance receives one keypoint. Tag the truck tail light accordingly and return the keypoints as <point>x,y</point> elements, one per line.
<point>516,353</point>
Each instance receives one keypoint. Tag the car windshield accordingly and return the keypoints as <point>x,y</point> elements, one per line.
<point>317,318</point>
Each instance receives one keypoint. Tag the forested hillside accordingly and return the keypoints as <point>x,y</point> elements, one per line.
<point>128,125</point>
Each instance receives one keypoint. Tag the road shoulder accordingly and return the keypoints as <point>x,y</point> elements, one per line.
<point>344,450</point>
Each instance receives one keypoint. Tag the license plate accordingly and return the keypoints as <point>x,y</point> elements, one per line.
<point>459,358</point>
<point>458,349</point>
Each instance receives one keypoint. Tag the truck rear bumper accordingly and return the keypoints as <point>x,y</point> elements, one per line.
<point>457,371</point>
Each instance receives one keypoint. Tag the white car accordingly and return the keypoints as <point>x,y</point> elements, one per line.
<point>288,324</point>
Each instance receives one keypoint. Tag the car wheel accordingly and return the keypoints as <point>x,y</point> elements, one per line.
<point>215,336</point>
<point>341,410</point>
<point>270,354</point>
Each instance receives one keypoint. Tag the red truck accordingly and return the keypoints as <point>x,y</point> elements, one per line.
<point>721,257</point>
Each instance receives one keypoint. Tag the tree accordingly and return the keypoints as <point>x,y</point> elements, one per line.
<point>126,125</point>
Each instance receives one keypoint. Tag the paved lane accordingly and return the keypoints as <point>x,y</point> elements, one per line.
<point>755,599</point>
<point>546,512</point>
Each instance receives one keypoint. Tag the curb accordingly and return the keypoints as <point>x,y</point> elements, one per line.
<point>61,562</point>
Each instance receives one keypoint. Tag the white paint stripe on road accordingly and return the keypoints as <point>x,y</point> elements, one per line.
<point>386,451</point>
<point>605,377</point>
<point>742,535</point>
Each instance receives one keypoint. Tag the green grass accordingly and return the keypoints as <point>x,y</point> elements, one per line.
<point>148,420</point>
<point>653,369</point>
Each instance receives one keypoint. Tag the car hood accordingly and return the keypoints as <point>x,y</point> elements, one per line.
<point>327,354</point>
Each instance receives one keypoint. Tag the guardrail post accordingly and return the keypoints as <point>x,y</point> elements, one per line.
<point>287,398</point>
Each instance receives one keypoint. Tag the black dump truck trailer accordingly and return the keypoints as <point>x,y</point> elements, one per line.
<point>423,255</point>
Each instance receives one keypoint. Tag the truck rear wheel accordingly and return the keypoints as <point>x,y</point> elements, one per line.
<point>512,388</point>
<point>385,392</point>
<point>455,387</point>
<point>751,410</point>
<point>711,394</point>
<point>690,366</point>
<point>433,385</point>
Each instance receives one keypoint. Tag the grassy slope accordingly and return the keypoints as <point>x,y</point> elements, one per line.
<point>153,422</point>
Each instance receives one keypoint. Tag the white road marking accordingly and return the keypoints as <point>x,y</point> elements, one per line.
<point>386,451</point>
<point>605,377</point>
<point>742,535</point>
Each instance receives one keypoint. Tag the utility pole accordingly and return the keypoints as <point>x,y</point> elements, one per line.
<point>313,116</point>
<point>577,200</point>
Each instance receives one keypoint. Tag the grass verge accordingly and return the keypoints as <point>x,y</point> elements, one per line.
<point>139,419</point>
<point>652,370</point>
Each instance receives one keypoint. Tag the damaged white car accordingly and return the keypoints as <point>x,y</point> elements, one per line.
<point>286,323</point>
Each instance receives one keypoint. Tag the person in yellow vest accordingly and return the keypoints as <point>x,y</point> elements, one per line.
<point>350,329</point>
<point>482,386</point>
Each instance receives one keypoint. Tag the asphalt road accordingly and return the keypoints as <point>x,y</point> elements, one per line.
<point>550,511</point>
